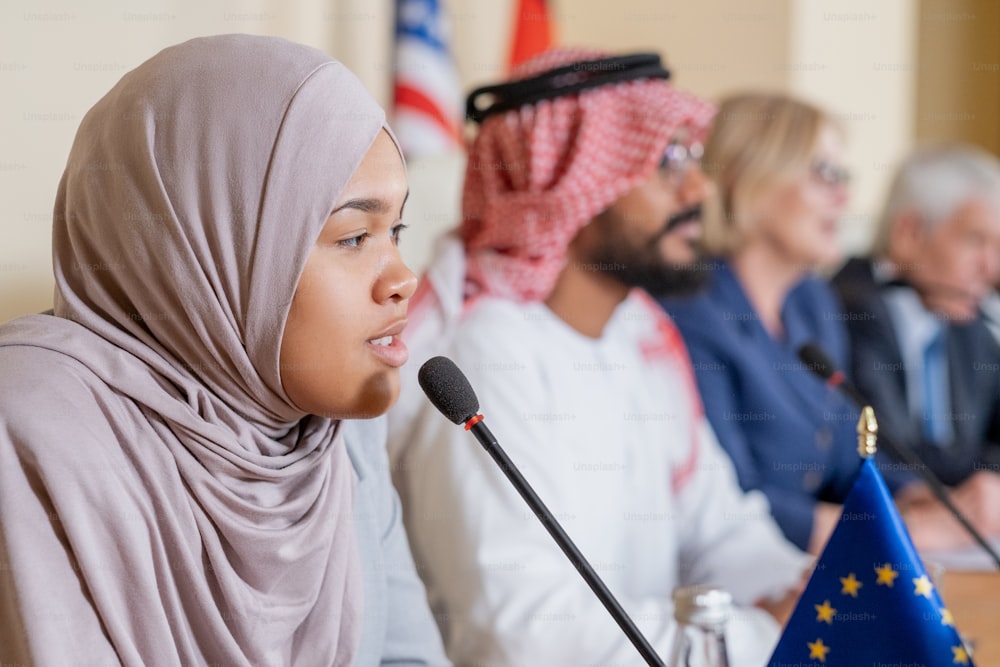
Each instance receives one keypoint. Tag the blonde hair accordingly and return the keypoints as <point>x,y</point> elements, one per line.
<point>757,140</point>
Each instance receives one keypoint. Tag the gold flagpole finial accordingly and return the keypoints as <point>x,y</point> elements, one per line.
<point>867,433</point>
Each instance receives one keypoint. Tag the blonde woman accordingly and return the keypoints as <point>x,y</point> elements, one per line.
<point>781,187</point>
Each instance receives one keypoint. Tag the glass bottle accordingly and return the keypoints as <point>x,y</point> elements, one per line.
<point>701,613</point>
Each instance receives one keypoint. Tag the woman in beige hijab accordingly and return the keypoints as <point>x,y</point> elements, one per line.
<point>178,484</point>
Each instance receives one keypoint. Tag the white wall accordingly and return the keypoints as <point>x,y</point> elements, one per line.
<point>57,57</point>
<point>859,60</point>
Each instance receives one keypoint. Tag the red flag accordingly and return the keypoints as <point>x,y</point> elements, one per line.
<point>533,32</point>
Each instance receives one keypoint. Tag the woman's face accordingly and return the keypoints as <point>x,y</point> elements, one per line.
<point>799,218</point>
<point>341,349</point>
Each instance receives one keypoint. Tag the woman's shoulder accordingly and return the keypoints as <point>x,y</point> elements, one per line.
<point>814,287</point>
<point>712,314</point>
<point>37,376</point>
<point>48,396</point>
<point>813,296</point>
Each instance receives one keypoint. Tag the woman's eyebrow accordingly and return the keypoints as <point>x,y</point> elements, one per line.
<point>371,205</point>
<point>365,204</point>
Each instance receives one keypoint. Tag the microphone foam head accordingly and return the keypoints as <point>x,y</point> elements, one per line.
<point>815,359</point>
<point>448,389</point>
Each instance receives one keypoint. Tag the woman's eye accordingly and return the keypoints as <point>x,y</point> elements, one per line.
<point>396,232</point>
<point>354,241</point>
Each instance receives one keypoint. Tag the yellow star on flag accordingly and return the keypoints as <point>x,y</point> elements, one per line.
<point>818,651</point>
<point>824,612</point>
<point>850,585</point>
<point>961,657</point>
<point>946,618</point>
<point>923,586</point>
<point>886,575</point>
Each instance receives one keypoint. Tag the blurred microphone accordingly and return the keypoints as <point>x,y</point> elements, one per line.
<point>450,392</point>
<point>816,360</point>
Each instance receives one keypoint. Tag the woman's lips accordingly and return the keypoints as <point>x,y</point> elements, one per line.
<point>390,349</point>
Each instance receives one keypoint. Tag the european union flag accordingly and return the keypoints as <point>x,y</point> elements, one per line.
<point>870,600</point>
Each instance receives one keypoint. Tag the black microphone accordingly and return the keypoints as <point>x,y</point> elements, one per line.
<point>816,360</point>
<point>450,392</point>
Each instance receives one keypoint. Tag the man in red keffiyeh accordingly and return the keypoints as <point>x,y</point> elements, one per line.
<point>582,185</point>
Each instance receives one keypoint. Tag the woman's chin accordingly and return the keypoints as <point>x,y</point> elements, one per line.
<point>377,396</point>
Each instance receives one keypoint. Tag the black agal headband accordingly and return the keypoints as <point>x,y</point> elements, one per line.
<point>564,80</point>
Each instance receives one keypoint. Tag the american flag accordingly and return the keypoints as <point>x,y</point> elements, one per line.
<point>427,94</point>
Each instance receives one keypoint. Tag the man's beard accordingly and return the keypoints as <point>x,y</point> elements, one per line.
<point>639,263</point>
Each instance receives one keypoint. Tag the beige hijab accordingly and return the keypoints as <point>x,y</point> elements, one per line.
<point>161,500</point>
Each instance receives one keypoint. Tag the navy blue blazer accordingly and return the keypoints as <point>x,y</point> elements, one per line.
<point>788,434</point>
<point>879,372</point>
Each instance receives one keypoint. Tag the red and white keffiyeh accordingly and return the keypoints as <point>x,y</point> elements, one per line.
<point>535,176</point>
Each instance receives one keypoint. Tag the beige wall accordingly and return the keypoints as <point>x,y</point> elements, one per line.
<point>857,59</point>
<point>711,46</point>
<point>958,74</point>
<point>57,59</point>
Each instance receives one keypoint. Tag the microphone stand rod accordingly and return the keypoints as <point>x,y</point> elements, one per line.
<point>628,626</point>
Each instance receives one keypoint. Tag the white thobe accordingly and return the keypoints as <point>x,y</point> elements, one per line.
<point>610,434</point>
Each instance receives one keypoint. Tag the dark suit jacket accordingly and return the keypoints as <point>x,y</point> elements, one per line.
<point>879,372</point>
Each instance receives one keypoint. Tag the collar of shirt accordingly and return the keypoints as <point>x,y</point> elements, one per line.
<point>915,326</point>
